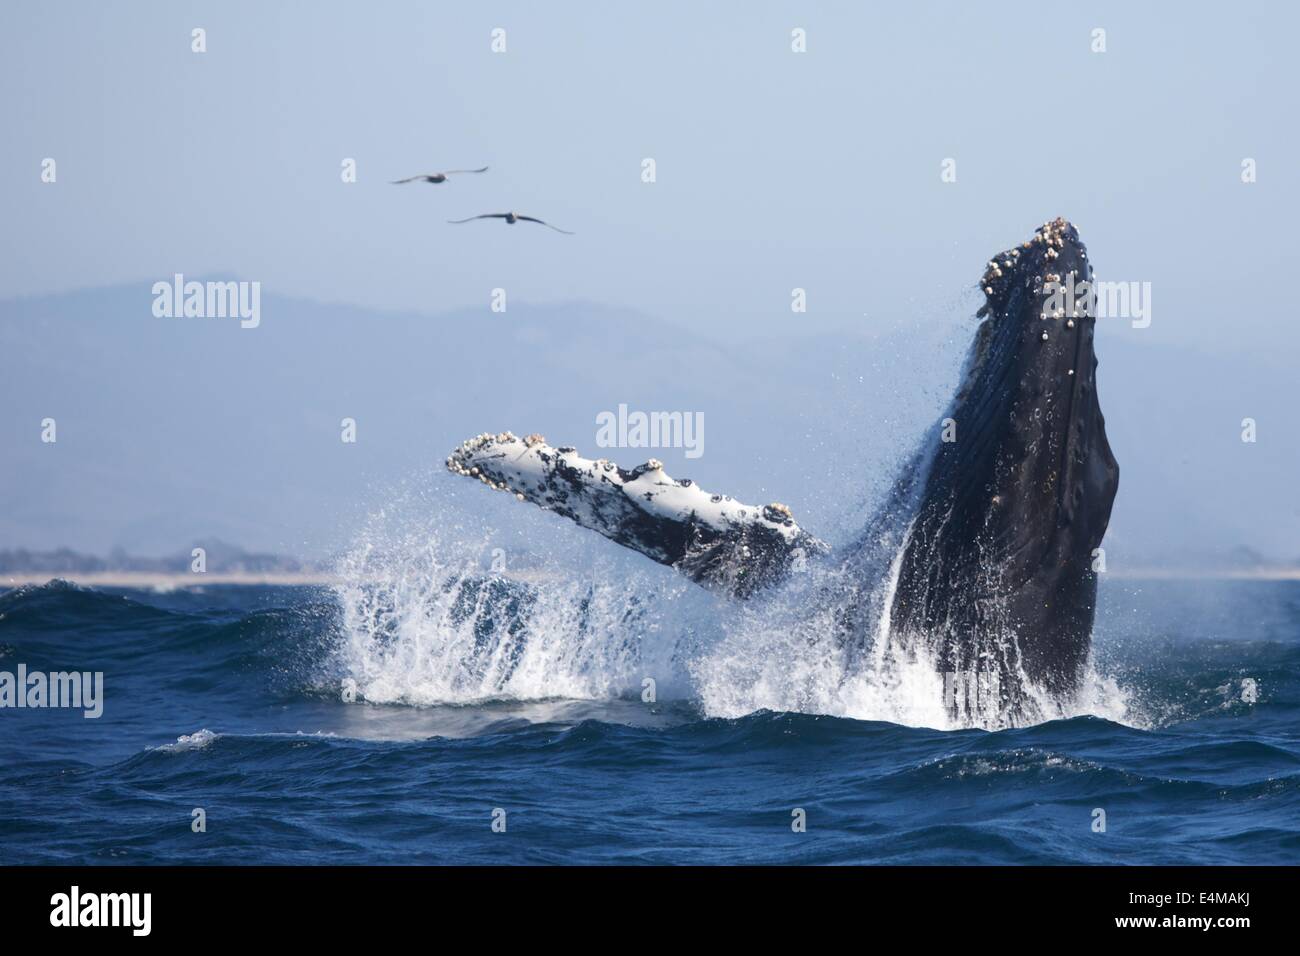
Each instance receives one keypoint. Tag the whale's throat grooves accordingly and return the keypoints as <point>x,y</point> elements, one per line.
<point>997,574</point>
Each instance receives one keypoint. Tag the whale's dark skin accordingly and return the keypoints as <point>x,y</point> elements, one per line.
<point>1013,510</point>
<point>1003,509</point>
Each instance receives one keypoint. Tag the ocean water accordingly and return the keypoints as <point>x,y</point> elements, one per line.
<point>469,705</point>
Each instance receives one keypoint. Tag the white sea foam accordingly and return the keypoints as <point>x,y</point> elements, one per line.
<point>428,621</point>
<point>420,628</point>
<point>195,741</point>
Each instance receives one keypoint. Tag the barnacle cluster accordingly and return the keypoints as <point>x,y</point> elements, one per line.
<point>461,461</point>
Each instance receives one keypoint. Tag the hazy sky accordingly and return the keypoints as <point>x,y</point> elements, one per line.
<point>774,169</point>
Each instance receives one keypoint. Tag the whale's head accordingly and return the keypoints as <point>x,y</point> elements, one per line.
<point>999,570</point>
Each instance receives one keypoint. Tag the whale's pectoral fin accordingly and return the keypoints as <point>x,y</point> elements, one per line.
<point>715,541</point>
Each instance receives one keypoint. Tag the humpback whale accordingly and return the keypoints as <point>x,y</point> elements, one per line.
<point>982,556</point>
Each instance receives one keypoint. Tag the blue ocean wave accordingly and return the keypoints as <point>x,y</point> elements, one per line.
<point>231,704</point>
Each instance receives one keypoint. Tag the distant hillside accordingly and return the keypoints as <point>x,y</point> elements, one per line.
<point>220,558</point>
<point>172,430</point>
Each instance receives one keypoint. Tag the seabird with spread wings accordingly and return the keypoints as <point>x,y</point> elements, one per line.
<point>436,178</point>
<point>511,218</point>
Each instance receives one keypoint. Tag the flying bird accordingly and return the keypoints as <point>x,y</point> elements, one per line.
<point>436,178</point>
<point>511,218</point>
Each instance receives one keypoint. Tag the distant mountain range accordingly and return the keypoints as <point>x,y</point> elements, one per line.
<point>177,429</point>
<point>228,560</point>
<point>219,557</point>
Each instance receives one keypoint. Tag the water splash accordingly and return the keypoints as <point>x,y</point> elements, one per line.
<point>428,619</point>
<point>789,653</point>
<point>442,615</point>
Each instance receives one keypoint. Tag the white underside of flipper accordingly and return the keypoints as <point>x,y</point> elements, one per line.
<point>712,538</point>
